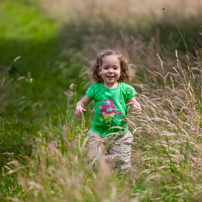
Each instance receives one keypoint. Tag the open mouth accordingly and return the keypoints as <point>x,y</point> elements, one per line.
<point>110,77</point>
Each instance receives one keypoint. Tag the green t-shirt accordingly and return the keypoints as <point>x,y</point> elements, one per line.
<point>110,108</point>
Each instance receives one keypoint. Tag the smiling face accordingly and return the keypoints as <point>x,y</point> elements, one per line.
<point>110,71</point>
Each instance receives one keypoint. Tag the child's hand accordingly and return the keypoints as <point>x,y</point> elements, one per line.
<point>79,111</point>
<point>80,106</point>
<point>135,105</point>
<point>137,108</point>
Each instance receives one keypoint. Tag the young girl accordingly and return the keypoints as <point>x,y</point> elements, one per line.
<point>111,95</point>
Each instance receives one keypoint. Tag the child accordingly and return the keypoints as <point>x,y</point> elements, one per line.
<point>111,95</point>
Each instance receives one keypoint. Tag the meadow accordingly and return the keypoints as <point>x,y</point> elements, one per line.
<point>46,48</point>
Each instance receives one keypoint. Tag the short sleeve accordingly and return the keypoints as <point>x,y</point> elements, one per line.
<point>91,92</point>
<point>130,92</point>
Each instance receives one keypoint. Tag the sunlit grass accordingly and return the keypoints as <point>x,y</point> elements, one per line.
<point>123,12</point>
<point>26,13</point>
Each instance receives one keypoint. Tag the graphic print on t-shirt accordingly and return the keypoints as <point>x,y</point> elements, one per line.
<point>108,112</point>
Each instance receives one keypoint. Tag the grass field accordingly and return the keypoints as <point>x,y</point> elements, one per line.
<point>46,49</point>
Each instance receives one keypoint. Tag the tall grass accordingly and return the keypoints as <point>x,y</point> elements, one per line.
<point>167,164</point>
<point>7,87</point>
<point>170,131</point>
<point>47,159</point>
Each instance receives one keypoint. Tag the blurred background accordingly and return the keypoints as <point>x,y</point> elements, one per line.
<point>58,40</point>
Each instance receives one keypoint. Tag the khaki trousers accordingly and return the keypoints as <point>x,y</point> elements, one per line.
<point>118,149</point>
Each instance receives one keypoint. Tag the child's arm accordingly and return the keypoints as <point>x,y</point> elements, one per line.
<point>81,105</point>
<point>136,105</point>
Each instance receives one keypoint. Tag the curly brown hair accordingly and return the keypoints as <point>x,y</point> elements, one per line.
<point>125,70</point>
